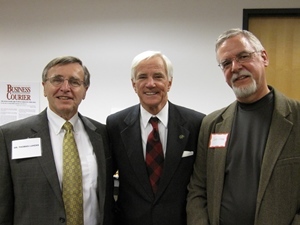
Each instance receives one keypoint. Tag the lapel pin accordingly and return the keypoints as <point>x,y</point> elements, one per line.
<point>181,136</point>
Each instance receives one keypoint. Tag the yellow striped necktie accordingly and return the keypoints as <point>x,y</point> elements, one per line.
<point>72,179</point>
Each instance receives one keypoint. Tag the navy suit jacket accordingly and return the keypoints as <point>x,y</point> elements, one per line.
<point>136,204</point>
<point>30,192</point>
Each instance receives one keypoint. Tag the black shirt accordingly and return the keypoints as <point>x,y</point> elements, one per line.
<point>243,163</point>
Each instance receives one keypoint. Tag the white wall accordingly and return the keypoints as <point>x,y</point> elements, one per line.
<point>107,34</point>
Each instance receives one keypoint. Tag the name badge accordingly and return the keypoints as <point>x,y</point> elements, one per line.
<point>218,140</point>
<point>26,148</point>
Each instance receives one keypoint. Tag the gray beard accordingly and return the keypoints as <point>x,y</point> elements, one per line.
<point>244,92</point>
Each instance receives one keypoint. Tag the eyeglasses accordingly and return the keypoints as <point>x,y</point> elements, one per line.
<point>59,80</point>
<point>240,58</point>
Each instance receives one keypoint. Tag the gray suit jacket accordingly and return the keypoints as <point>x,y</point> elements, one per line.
<point>136,203</point>
<point>278,198</point>
<point>30,192</point>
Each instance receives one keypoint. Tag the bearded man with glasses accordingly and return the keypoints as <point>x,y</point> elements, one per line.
<point>247,169</point>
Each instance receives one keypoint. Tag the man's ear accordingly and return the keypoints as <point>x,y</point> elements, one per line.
<point>133,85</point>
<point>264,55</point>
<point>43,83</point>
<point>170,84</point>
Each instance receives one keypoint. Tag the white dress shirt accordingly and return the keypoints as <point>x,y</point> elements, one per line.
<point>87,159</point>
<point>146,127</point>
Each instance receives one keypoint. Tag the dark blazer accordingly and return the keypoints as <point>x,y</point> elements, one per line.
<point>136,204</point>
<point>30,192</point>
<point>278,198</point>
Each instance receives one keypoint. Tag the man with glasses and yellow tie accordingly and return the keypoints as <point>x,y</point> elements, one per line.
<point>56,166</point>
<point>247,169</point>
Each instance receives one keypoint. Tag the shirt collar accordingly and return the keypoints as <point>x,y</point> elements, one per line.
<point>57,122</point>
<point>162,115</point>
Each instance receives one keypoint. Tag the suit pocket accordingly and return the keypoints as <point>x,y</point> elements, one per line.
<point>187,153</point>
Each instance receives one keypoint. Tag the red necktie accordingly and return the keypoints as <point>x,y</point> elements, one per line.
<point>154,155</point>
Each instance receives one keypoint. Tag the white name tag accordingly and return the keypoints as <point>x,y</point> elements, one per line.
<point>26,148</point>
<point>218,140</point>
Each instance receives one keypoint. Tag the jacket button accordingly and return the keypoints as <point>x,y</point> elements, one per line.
<point>62,220</point>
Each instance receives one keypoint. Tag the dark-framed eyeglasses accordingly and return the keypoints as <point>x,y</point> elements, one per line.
<point>240,58</point>
<point>59,80</point>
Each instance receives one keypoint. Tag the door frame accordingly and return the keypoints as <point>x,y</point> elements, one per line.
<point>248,13</point>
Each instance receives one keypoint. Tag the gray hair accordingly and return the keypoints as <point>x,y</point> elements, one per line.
<point>64,60</point>
<point>147,55</point>
<point>253,40</point>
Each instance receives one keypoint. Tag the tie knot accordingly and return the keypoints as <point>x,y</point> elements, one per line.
<point>153,121</point>
<point>68,126</point>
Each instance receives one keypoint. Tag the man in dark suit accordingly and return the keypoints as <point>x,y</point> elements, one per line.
<point>138,202</point>
<point>32,180</point>
<point>247,169</point>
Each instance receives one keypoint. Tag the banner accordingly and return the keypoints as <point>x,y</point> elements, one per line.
<point>18,100</point>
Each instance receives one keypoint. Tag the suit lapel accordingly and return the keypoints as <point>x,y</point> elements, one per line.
<point>177,138</point>
<point>131,137</point>
<point>217,166</point>
<point>97,143</point>
<point>47,163</point>
<point>280,129</point>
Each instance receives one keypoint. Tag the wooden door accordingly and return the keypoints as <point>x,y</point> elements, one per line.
<point>280,35</point>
